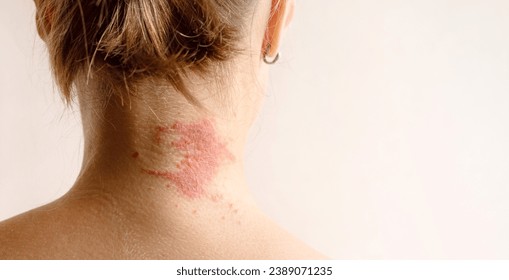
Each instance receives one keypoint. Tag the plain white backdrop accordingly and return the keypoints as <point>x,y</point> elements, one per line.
<point>384,134</point>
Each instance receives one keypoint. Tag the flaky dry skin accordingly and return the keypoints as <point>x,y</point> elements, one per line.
<point>202,154</point>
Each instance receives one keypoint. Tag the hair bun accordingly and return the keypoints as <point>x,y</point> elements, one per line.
<point>136,39</point>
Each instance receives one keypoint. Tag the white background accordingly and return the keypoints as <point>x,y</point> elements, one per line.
<point>384,134</point>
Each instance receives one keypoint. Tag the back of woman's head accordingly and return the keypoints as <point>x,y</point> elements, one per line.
<point>123,42</point>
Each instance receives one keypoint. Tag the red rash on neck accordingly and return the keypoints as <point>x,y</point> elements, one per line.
<point>202,154</point>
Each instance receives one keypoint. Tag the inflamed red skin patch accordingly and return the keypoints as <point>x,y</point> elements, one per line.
<point>201,152</point>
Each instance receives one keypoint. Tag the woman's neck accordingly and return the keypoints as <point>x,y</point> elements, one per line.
<point>144,152</point>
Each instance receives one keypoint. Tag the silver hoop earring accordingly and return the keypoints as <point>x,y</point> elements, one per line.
<point>265,56</point>
<point>274,60</point>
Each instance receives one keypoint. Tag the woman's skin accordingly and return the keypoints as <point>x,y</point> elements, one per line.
<point>161,178</point>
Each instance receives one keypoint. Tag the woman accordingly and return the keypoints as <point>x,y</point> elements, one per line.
<point>167,91</point>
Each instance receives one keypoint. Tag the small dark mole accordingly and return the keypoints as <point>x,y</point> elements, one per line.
<point>194,211</point>
<point>135,155</point>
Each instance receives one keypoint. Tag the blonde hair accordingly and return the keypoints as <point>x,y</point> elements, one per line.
<point>122,42</point>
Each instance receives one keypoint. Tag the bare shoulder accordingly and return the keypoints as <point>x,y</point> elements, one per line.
<point>18,235</point>
<point>41,233</point>
<point>277,243</point>
<point>289,247</point>
<point>59,231</point>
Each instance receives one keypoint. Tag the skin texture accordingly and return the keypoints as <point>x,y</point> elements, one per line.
<point>202,155</point>
<point>162,179</point>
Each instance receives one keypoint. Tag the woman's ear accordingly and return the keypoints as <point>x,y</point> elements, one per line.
<point>281,15</point>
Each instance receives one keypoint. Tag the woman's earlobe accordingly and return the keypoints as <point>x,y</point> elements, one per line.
<point>270,60</point>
